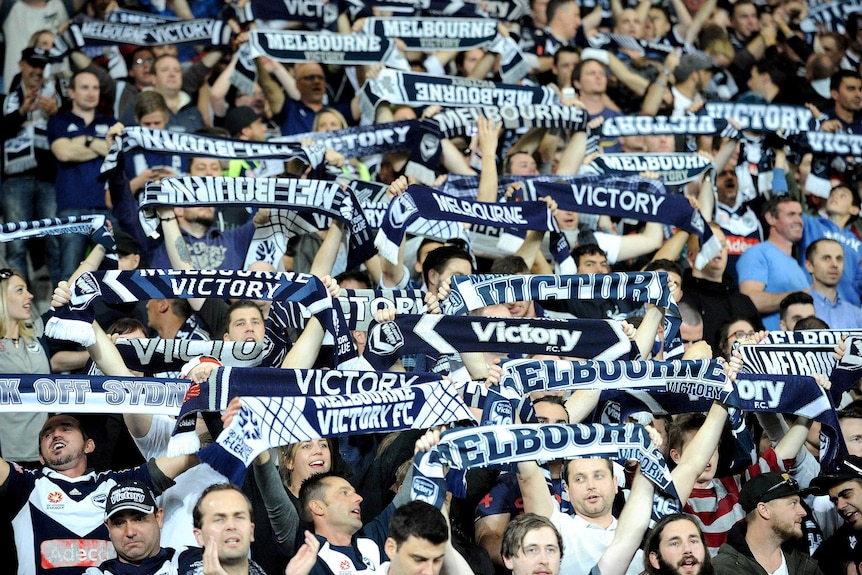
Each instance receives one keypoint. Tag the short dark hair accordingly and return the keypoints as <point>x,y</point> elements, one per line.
<point>126,325</point>
<point>811,251</point>
<point>664,265</point>
<point>838,77</point>
<point>197,514</point>
<point>653,541</point>
<point>771,205</point>
<point>438,258</point>
<point>793,298</point>
<point>564,49</point>
<point>586,250</point>
<point>579,67</point>
<point>517,529</point>
<point>358,276</point>
<point>507,160</point>
<point>421,520</point>
<point>723,332</point>
<point>510,265</point>
<point>242,304</point>
<point>181,308</point>
<point>74,79</point>
<point>311,489</point>
<point>553,6</point>
<point>810,322</point>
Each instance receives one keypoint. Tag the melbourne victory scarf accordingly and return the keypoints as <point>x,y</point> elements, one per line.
<point>163,355</point>
<point>89,225</point>
<point>436,335</point>
<point>326,48</point>
<point>430,204</point>
<point>421,139</point>
<point>799,395</point>
<point>673,169</point>
<point>631,197</point>
<point>503,445</point>
<point>310,196</point>
<point>87,32</point>
<point>283,417</point>
<point>74,322</point>
<point>415,89</point>
<point>321,13</point>
<point>136,139</point>
<point>459,121</point>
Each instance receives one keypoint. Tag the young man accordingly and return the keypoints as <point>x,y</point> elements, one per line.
<point>531,544</point>
<point>824,260</point>
<point>844,487</point>
<point>774,516</point>
<point>675,546</point>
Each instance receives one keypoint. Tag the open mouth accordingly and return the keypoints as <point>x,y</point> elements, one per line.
<point>58,445</point>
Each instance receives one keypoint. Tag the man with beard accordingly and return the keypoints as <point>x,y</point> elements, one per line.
<point>208,248</point>
<point>765,540</point>
<point>844,487</point>
<point>676,546</point>
<point>59,510</point>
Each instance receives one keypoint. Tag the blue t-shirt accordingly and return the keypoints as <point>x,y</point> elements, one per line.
<point>297,118</point>
<point>778,272</point>
<point>78,184</point>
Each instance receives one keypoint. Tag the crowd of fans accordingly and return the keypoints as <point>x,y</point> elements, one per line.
<point>785,219</point>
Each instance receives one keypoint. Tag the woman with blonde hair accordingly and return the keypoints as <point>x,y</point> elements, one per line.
<point>20,352</point>
<point>330,120</point>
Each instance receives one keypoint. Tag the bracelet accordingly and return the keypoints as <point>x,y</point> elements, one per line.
<point>167,219</point>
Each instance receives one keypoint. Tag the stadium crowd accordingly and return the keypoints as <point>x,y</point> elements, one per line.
<point>483,287</point>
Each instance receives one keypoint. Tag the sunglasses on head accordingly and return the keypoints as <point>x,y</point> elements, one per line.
<point>6,273</point>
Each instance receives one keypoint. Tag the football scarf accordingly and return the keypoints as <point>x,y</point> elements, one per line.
<point>460,121</point>
<point>503,445</point>
<point>673,169</point>
<point>86,32</point>
<point>159,355</point>
<point>90,225</point>
<point>325,48</point>
<point>436,335</point>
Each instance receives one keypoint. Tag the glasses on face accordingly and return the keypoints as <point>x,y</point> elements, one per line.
<point>742,334</point>
<point>789,481</point>
<point>6,273</point>
<point>313,78</point>
<point>142,61</point>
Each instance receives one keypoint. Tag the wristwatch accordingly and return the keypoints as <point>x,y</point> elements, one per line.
<point>88,140</point>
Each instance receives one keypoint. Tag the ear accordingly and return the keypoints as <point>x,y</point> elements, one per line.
<point>225,337</point>
<point>316,508</point>
<point>137,260</point>
<point>390,547</point>
<point>675,455</point>
<point>198,537</point>
<point>252,532</point>
<point>854,210</point>
<point>89,446</point>
<point>508,563</point>
<point>160,517</point>
<point>653,560</point>
<point>770,219</point>
<point>808,267</point>
<point>782,326</point>
<point>433,277</point>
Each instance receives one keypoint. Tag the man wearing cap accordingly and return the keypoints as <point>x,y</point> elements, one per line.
<point>59,509</point>
<point>28,166</point>
<point>244,123</point>
<point>764,541</point>
<point>134,523</point>
<point>844,488</point>
<point>691,76</point>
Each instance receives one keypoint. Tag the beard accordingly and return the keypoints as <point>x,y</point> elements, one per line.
<point>666,568</point>
<point>203,220</point>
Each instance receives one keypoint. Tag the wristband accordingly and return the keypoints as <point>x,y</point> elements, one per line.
<point>167,219</point>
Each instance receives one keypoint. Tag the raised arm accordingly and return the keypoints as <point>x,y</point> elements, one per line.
<point>631,527</point>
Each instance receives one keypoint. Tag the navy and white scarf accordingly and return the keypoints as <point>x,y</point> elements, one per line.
<point>325,48</point>
<point>19,151</point>
<point>159,355</point>
<point>90,225</point>
<point>507,10</point>
<point>78,393</point>
<point>88,32</point>
<point>283,417</point>
<point>137,139</point>
<point>796,394</point>
<point>764,118</point>
<point>420,138</point>
<point>322,13</point>
<point>291,196</point>
<point>426,202</point>
<point>502,445</point>
<point>416,89</point>
<point>848,370</point>
<point>437,335</point>
<point>74,322</point>
<point>460,121</point>
<point>630,197</point>
<point>788,358</point>
<point>673,169</point>
<point>831,16</point>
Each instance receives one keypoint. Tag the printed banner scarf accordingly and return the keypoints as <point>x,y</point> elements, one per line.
<point>162,355</point>
<point>74,322</point>
<point>799,395</point>
<point>631,197</point>
<point>85,32</point>
<point>89,225</point>
<point>266,422</point>
<point>420,138</point>
<point>460,121</point>
<point>437,335</point>
<point>415,89</point>
<point>291,195</point>
<point>325,48</point>
<point>78,393</point>
<point>421,200</point>
<point>503,445</point>
<point>673,169</point>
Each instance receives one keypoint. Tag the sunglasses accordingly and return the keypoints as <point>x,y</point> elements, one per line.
<point>6,273</point>
<point>789,481</point>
